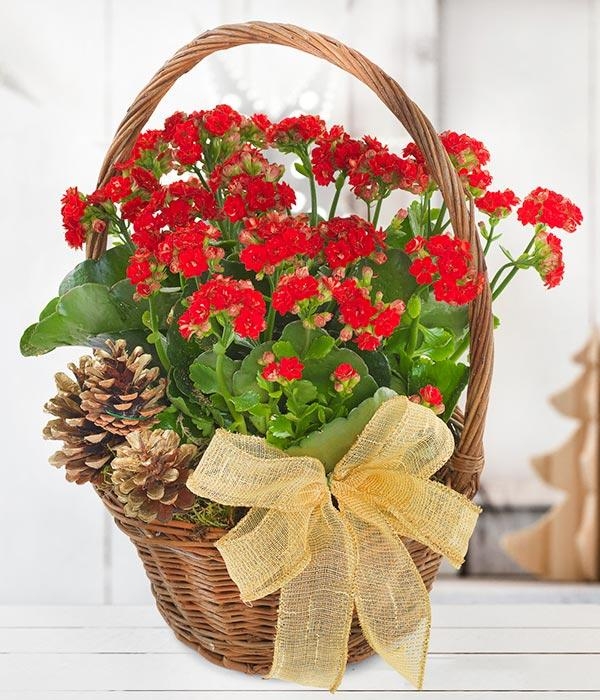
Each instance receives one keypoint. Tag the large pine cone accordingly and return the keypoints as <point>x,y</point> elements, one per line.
<point>122,393</point>
<point>87,448</point>
<point>150,473</point>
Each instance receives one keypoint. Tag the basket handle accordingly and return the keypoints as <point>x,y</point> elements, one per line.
<point>467,462</point>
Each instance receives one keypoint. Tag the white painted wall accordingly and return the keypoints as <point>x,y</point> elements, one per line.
<point>514,74</point>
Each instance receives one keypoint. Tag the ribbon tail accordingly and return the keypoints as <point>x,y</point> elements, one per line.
<point>315,608</point>
<point>391,599</point>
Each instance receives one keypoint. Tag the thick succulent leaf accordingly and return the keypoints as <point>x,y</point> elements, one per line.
<point>107,270</point>
<point>303,339</point>
<point>438,343</point>
<point>392,277</point>
<point>203,372</point>
<point>82,314</point>
<point>378,365</point>
<point>89,313</point>
<point>437,314</point>
<point>330,443</point>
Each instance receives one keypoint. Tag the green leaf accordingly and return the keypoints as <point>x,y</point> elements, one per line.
<point>301,338</point>
<point>246,401</point>
<point>438,343</point>
<point>299,167</point>
<point>398,236</point>
<point>107,270</point>
<point>392,277</point>
<point>50,308</point>
<point>330,443</point>
<point>204,377</point>
<point>303,392</point>
<point>377,364</point>
<point>27,348</point>
<point>280,427</point>
<point>82,314</point>
<point>319,347</point>
<point>438,314</point>
<point>203,372</point>
<point>319,371</point>
<point>415,216</point>
<point>450,378</point>
<point>283,348</point>
<point>245,378</point>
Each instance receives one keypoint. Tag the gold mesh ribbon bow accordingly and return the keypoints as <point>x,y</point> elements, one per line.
<point>327,560</point>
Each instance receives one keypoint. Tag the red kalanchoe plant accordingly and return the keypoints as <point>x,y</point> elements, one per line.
<point>276,323</point>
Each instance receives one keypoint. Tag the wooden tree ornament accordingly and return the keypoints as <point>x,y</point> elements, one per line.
<point>564,545</point>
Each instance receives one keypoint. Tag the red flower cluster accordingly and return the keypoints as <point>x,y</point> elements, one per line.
<point>293,289</point>
<point>431,397</point>
<point>273,239</point>
<point>116,190</point>
<point>288,369</point>
<point>378,172</point>
<point>369,323</point>
<point>72,210</point>
<point>468,155</point>
<point>250,185</point>
<point>291,131</point>
<point>344,378</point>
<point>168,207</point>
<point>548,258</point>
<point>445,261</point>
<point>348,239</point>
<point>228,300</point>
<point>188,250</point>
<point>497,205</point>
<point>543,206</point>
<point>334,152</point>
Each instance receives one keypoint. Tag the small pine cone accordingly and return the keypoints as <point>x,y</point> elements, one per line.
<point>86,447</point>
<point>150,473</point>
<point>122,393</point>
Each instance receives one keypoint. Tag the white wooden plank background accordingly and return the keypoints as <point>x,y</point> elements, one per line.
<point>518,75</point>
<point>474,648</point>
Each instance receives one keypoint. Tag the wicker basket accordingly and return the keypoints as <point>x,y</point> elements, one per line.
<point>193,591</point>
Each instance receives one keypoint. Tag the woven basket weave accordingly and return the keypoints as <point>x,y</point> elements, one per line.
<point>193,591</point>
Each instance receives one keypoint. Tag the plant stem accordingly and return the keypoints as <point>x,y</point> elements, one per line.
<point>440,220</point>
<point>498,274</point>
<point>339,184</point>
<point>200,175</point>
<point>460,348</point>
<point>304,158</point>
<point>238,418</point>
<point>377,212</point>
<point>156,335</point>
<point>413,336</point>
<point>273,280</point>
<point>489,240</point>
<point>497,289</point>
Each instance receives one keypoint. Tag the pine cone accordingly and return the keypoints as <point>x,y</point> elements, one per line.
<point>122,394</point>
<point>86,447</point>
<point>150,473</point>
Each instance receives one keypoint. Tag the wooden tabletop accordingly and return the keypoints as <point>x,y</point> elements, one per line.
<point>478,651</point>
